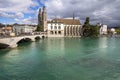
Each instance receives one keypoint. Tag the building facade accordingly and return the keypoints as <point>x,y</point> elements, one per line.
<point>64,28</point>
<point>59,27</point>
<point>72,27</point>
<point>113,30</point>
<point>103,29</point>
<point>23,29</point>
<point>6,31</point>
<point>55,29</point>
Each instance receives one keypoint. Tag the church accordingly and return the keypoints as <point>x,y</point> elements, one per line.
<point>59,27</point>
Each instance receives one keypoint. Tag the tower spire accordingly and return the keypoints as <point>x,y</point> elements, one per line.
<point>44,19</point>
<point>44,8</point>
<point>40,10</point>
<point>73,16</point>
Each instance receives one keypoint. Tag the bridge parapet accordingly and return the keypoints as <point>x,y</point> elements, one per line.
<point>12,41</point>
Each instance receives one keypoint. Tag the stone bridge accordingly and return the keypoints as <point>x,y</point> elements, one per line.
<point>12,41</point>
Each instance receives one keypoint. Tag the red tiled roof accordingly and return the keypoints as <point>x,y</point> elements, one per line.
<point>68,21</point>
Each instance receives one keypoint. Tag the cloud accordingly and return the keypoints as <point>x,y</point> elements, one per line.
<point>29,20</point>
<point>20,15</point>
<point>103,11</point>
<point>11,15</point>
<point>17,5</point>
<point>3,14</point>
<point>16,8</point>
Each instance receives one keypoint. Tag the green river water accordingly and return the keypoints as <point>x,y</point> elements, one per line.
<point>62,59</point>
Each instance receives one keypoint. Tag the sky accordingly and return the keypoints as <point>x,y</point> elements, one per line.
<point>26,11</point>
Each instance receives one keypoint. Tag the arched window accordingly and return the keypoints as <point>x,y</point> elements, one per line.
<point>51,32</point>
<point>51,27</point>
<point>55,32</point>
<point>55,27</point>
<point>59,27</point>
<point>59,32</point>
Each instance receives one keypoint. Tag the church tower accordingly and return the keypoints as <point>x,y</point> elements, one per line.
<point>42,18</point>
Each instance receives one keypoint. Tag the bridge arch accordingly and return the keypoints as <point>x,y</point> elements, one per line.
<point>37,37</point>
<point>23,40</point>
<point>3,46</point>
<point>43,36</point>
<point>12,41</point>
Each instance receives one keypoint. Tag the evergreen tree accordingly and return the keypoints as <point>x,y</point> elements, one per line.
<point>38,28</point>
<point>94,31</point>
<point>86,27</point>
<point>90,30</point>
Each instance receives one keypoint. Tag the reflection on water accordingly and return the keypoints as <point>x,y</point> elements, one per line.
<point>62,59</point>
<point>57,47</point>
<point>103,42</point>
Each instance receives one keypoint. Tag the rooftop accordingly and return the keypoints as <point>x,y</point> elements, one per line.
<point>67,21</point>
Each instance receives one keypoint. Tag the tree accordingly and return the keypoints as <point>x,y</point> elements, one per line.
<point>86,27</point>
<point>94,31</point>
<point>38,28</point>
<point>117,31</point>
<point>90,30</point>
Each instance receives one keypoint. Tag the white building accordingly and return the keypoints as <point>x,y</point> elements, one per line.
<point>103,29</point>
<point>23,29</point>
<point>64,28</point>
<point>59,27</point>
<point>113,31</point>
<point>55,29</point>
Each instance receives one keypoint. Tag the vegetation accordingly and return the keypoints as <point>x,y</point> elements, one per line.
<point>94,30</point>
<point>38,28</point>
<point>86,27</point>
<point>117,31</point>
<point>90,30</point>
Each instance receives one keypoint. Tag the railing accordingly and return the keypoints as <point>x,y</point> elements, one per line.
<point>23,34</point>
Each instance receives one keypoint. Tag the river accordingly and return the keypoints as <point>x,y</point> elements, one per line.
<point>62,59</point>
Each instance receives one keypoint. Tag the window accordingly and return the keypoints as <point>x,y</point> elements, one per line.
<point>55,27</point>
<point>59,32</point>
<point>51,27</point>
<point>51,32</point>
<point>59,27</point>
<point>55,32</point>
